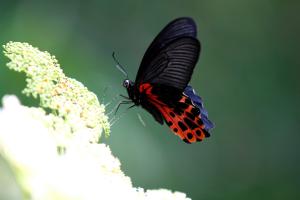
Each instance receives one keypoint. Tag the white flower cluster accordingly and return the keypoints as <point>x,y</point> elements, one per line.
<point>57,155</point>
<point>65,97</point>
<point>85,171</point>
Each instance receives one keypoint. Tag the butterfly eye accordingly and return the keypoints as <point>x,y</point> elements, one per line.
<point>126,83</point>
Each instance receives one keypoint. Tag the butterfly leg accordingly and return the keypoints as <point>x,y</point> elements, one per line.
<point>121,103</point>
<point>131,106</point>
<point>121,95</point>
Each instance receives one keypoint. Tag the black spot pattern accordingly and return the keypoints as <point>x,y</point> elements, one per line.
<point>195,111</point>
<point>182,126</point>
<point>190,115</point>
<point>169,123</point>
<point>190,123</point>
<point>200,122</point>
<point>198,133</point>
<point>189,135</point>
<point>180,107</point>
<point>172,114</point>
<point>206,133</point>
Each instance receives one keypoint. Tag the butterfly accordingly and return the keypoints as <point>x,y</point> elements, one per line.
<point>161,85</point>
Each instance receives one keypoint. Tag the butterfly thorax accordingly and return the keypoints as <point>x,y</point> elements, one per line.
<point>129,85</point>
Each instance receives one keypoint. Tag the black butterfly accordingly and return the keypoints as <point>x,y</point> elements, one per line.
<point>161,85</point>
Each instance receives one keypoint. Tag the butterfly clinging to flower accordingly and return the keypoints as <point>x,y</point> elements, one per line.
<point>161,85</point>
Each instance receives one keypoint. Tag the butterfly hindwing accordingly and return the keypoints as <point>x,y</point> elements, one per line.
<point>179,113</point>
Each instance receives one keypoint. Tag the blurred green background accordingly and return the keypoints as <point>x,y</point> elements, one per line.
<point>248,76</point>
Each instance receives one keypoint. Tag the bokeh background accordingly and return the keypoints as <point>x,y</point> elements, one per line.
<point>248,76</point>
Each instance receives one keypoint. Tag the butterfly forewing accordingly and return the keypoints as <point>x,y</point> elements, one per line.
<point>174,64</point>
<point>178,28</point>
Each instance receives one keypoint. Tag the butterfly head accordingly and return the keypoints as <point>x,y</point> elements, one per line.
<point>129,85</point>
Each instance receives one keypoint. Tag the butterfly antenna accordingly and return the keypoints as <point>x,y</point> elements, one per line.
<point>119,66</point>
